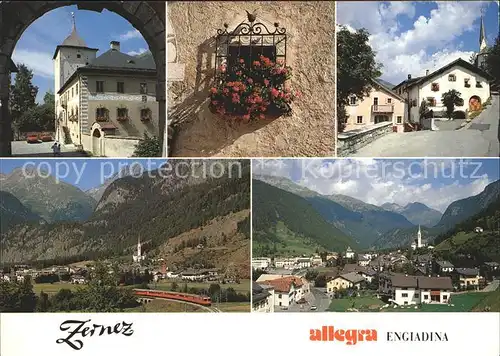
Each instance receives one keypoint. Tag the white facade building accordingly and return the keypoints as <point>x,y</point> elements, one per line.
<point>349,253</point>
<point>138,256</point>
<point>261,263</point>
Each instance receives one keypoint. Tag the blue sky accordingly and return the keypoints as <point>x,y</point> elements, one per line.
<point>37,44</point>
<point>434,182</point>
<point>83,173</point>
<point>411,37</point>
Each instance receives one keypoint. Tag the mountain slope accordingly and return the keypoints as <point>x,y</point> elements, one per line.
<point>156,208</point>
<point>278,214</point>
<point>97,192</point>
<point>463,240</point>
<point>51,199</point>
<point>363,222</point>
<point>416,213</point>
<point>13,212</point>
<point>463,209</point>
<point>403,237</point>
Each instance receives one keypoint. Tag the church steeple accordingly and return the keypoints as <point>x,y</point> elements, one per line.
<point>74,40</point>
<point>482,36</point>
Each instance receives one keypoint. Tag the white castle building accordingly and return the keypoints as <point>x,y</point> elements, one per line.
<point>103,104</point>
<point>139,256</point>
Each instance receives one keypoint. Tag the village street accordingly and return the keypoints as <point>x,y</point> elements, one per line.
<point>480,138</point>
<point>43,149</point>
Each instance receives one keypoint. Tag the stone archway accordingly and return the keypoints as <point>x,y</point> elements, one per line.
<point>475,103</point>
<point>148,17</point>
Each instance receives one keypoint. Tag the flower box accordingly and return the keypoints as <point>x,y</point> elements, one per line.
<point>101,119</point>
<point>253,92</point>
<point>145,118</point>
<point>122,118</point>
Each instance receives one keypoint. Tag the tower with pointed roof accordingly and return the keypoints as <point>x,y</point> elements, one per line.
<point>483,45</point>
<point>419,237</point>
<point>70,55</point>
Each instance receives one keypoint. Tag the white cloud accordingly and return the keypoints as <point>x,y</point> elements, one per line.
<point>39,62</point>
<point>136,53</point>
<point>427,45</point>
<point>383,181</point>
<point>130,35</point>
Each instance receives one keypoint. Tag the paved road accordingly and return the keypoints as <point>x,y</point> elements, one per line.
<point>479,139</point>
<point>493,286</point>
<point>322,301</point>
<point>43,149</point>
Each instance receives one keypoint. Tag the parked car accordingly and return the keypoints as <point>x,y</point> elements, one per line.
<point>313,307</point>
<point>32,139</point>
<point>47,138</point>
<point>301,301</point>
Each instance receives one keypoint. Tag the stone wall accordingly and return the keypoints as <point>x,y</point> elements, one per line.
<point>309,131</point>
<point>350,142</point>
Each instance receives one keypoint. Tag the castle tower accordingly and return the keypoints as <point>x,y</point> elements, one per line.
<point>68,57</point>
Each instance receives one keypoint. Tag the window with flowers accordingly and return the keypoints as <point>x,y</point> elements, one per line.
<point>435,87</point>
<point>251,75</point>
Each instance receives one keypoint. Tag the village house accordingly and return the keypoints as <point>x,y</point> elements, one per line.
<point>470,81</point>
<point>363,261</point>
<point>287,290</point>
<point>77,279</point>
<point>316,260</point>
<point>381,105</point>
<point>286,263</point>
<point>207,38</point>
<point>303,263</point>
<point>349,253</point>
<point>262,298</point>
<point>350,280</point>
<point>467,278</point>
<point>403,289</point>
<point>104,104</point>
<point>443,267</point>
<point>261,263</point>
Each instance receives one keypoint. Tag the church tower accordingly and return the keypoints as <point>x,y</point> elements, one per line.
<point>419,237</point>
<point>139,254</point>
<point>483,45</point>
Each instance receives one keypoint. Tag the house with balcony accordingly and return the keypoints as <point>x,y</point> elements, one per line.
<point>467,278</point>
<point>352,280</point>
<point>469,80</point>
<point>402,289</point>
<point>381,105</point>
<point>287,290</point>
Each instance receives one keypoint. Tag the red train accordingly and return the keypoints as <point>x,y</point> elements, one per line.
<point>192,298</point>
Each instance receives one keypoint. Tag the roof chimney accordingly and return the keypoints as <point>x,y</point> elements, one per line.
<point>426,72</point>
<point>409,76</point>
<point>115,45</point>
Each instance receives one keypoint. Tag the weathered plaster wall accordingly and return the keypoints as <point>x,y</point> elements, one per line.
<point>310,52</point>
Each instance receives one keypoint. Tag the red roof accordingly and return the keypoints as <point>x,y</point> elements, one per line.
<point>283,284</point>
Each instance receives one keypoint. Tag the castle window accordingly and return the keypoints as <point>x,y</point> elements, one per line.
<point>120,87</point>
<point>248,41</point>
<point>435,86</point>
<point>78,55</point>
<point>121,113</point>
<point>467,82</point>
<point>76,88</point>
<point>452,78</point>
<point>359,120</point>
<point>479,85</point>
<point>389,100</point>
<point>431,101</point>
<point>352,100</point>
<point>144,88</point>
<point>99,86</point>
<point>72,92</point>
<point>399,120</point>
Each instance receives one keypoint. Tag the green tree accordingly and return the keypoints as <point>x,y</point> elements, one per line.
<point>492,63</point>
<point>320,281</point>
<point>449,100</point>
<point>356,68</point>
<point>22,94</point>
<point>174,286</point>
<point>311,275</point>
<point>148,147</point>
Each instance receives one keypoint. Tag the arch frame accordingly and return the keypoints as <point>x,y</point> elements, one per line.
<point>148,17</point>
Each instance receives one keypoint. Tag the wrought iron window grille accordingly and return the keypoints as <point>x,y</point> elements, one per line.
<point>248,41</point>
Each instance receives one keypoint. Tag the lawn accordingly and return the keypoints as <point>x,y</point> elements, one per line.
<point>364,304</point>
<point>233,307</point>
<point>242,287</point>
<point>467,302</point>
<point>53,288</point>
